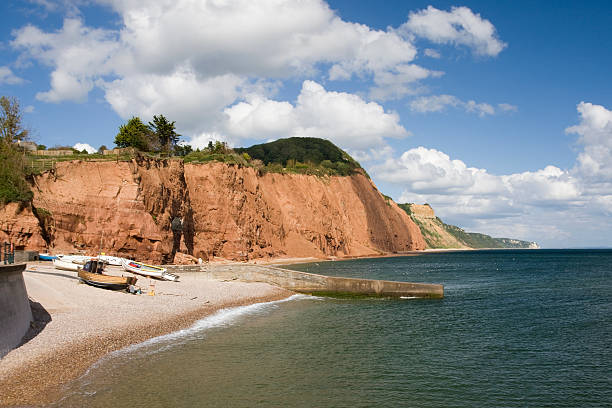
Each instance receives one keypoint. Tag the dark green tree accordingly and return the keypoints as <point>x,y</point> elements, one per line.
<point>11,129</point>
<point>165,132</point>
<point>135,134</point>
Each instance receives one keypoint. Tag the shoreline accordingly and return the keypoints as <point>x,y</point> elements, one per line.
<point>88,323</point>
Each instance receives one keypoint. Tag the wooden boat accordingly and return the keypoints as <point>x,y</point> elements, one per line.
<point>148,270</point>
<point>92,275</point>
<point>66,265</point>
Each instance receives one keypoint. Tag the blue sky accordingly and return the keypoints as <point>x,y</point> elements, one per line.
<point>496,113</point>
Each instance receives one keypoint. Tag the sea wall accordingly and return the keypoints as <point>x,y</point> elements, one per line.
<point>15,311</point>
<point>312,283</point>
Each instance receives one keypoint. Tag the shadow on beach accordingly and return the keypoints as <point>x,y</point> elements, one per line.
<point>40,318</point>
<point>61,275</point>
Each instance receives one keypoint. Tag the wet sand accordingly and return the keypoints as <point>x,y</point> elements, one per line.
<point>87,323</point>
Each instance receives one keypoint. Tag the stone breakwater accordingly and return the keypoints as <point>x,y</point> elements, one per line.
<point>312,283</point>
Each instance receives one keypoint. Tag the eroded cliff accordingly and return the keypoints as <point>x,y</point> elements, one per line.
<point>151,209</point>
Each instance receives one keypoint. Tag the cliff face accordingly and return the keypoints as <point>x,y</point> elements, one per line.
<point>239,214</point>
<point>151,209</point>
<point>439,235</point>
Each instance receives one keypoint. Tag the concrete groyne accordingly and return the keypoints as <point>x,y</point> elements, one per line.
<point>312,283</point>
<point>15,311</point>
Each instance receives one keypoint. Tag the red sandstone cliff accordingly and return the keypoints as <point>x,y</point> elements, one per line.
<point>128,208</point>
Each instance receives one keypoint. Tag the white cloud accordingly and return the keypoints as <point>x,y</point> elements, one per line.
<point>506,107</point>
<point>551,204</point>
<point>77,54</point>
<point>343,118</point>
<point>460,26</point>
<point>237,45</point>
<point>8,77</point>
<point>245,39</point>
<point>29,109</point>
<point>437,103</point>
<point>84,146</point>
<point>595,135</point>
<point>195,103</point>
<point>400,82</point>
<point>431,53</point>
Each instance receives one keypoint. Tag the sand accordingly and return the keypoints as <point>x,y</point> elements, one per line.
<point>87,322</point>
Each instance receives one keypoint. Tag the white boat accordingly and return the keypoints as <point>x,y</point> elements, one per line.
<point>148,270</point>
<point>66,265</point>
<point>78,259</point>
<point>111,260</point>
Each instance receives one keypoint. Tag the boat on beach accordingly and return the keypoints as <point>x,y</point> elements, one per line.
<point>66,265</point>
<point>111,260</point>
<point>92,274</point>
<point>77,259</point>
<point>46,257</point>
<point>148,270</point>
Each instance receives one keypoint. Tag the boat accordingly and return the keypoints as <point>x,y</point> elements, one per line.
<point>111,260</point>
<point>66,265</point>
<point>46,257</point>
<point>77,259</point>
<point>148,270</point>
<point>92,274</point>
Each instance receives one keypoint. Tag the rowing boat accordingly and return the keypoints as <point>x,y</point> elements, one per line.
<point>111,260</point>
<point>148,270</point>
<point>92,275</point>
<point>66,265</point>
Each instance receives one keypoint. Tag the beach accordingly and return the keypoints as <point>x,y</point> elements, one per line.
<point>78,324</point>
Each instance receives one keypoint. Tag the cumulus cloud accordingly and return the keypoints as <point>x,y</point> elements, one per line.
<point>595,135</point>
<point>221,50</point>
<point>550,203</point>
<point>8,77</point>
<point>84,146</point>
<point>343,118</point>
<point>77,54</point>
<point>460,26</point>
<point>438,103</point>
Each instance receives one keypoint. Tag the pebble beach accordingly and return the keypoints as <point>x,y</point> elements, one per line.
<point>78,324</point>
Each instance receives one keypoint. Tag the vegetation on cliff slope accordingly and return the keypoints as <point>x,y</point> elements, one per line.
<point>13,185</point>
<point>431,228</point>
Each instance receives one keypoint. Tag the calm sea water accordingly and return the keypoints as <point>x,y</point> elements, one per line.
<point>516,329</point>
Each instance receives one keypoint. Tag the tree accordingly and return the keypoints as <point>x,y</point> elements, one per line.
<point>165,132</point>
<point>102,148</point>
<point>134,134</point>
<point>11,129</point>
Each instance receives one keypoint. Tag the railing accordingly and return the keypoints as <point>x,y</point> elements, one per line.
<point>7,255</point>
<point>39,165</point>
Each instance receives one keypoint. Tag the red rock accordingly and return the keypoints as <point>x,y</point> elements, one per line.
<point>226,211</point>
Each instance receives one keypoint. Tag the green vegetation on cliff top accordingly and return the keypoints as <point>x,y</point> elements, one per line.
<point>308,155</point>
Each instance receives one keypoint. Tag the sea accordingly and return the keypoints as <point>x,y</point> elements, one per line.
<point>516,328</point>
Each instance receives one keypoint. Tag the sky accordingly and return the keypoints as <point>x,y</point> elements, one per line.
<point>498,114</point>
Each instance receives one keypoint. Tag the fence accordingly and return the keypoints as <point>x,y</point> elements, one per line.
<point>39,165</point>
